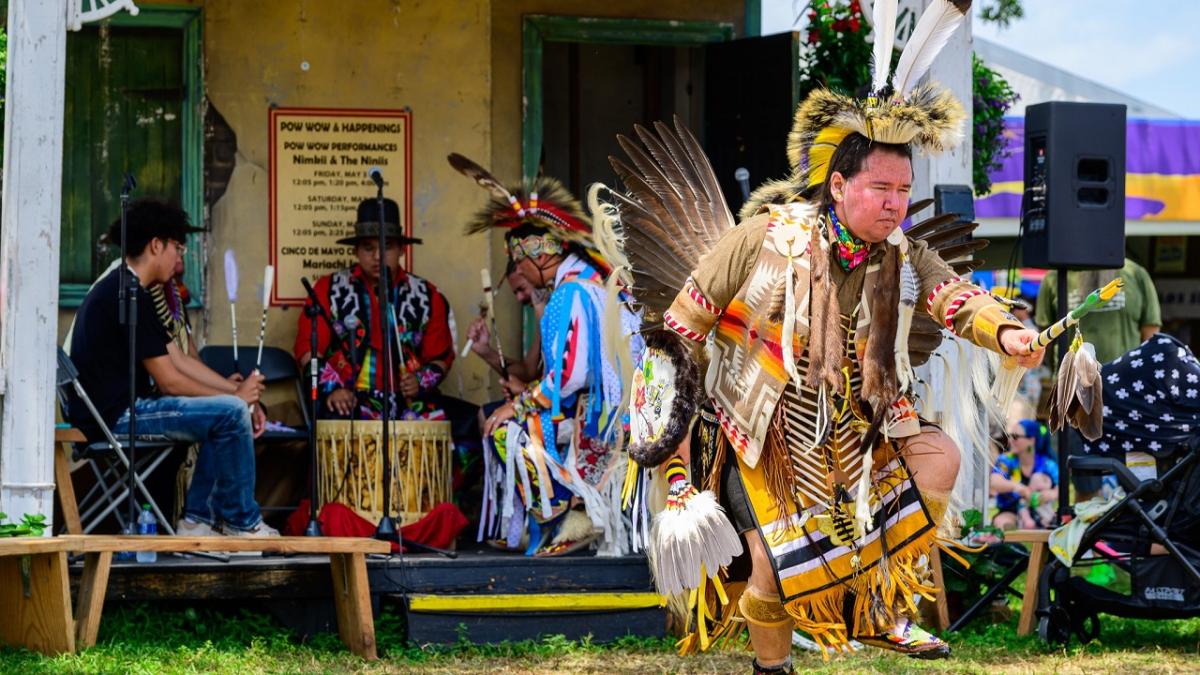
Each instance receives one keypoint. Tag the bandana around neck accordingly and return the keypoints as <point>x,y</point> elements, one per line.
<point>851,250</point>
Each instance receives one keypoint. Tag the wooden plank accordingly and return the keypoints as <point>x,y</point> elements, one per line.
<point>1033,574</point>
<point>1027,536</point>
<point>27,545</point>
<point>238,579</point>
<point>600,627</point>
<point>35,603</point>
<point>62,480</point>
<point>352,598</point>
<point>537,602</point>
<point>92,589</point>
<point>97,543</point>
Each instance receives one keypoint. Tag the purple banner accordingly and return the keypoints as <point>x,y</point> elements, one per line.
<point>1162,171</point>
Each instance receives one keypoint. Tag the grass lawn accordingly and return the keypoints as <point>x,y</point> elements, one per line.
<point>144,639</point>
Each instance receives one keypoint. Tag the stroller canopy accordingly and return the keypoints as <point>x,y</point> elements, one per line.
<point>1151,399</point>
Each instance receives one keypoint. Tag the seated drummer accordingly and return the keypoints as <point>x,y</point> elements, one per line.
<point>176,397</point>
<point>351,384</point>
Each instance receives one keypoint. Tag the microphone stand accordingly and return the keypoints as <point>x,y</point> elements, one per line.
<point>387,530</point>
<point>314,310</point>
<point>127,314</point>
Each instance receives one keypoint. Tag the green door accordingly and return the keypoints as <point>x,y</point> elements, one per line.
<point>124,113</point>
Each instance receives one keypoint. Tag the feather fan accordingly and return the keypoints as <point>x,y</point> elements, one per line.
<point>932,32</point>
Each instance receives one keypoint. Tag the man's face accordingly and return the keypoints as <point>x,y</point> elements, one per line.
<point>520,287</point>
<point>165,256</point>
<point>875,201</point>
<point>367,251</point>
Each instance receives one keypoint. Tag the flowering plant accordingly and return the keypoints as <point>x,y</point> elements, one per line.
<point>835,53</point>
<point>992,97</point>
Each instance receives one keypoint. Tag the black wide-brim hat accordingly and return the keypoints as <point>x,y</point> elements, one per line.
<point>366,225</point>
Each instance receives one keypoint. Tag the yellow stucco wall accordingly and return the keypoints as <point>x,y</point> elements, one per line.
<point>430,56</point>
<point>456,63</point>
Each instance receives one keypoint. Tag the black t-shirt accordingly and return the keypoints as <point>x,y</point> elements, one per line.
<point>100,350</point>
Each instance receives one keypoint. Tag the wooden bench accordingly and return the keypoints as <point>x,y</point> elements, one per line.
<point>1039,551</point>
<point>35,590</point>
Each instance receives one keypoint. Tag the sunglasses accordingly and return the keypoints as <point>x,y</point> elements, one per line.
<point>1013,437</point>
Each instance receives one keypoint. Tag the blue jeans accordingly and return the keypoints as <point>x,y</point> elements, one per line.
<point>222,489</point>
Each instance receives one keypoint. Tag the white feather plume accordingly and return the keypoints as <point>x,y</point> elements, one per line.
<point>883,25</point>
<point>934,29</point>
<point>231,276</point>
<point>691,541</point>
<point>268,280</point>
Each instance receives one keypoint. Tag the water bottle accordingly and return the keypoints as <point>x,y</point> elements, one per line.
<point>147,526</point>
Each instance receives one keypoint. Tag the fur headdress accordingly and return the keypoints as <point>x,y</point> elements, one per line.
<point>897,111</point>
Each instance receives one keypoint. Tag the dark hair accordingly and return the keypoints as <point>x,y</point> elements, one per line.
<point>149,219</point>
<point>850,158</point>
<point>524,230</point>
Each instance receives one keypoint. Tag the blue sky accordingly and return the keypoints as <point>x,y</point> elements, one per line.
<point>1148,49</point>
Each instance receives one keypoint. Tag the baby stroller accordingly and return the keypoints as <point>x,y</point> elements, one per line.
<point>1151,444</point>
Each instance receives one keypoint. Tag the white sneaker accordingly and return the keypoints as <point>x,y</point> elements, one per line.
<point>260,530</point>
<point>186,527</point>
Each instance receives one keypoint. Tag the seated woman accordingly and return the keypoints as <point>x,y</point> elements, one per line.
<point>1024,480</point>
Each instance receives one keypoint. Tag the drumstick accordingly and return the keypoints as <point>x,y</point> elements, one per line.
<point>485,275</point>
<point>231,290</point>
<point>268,278</point>
<point>471,341</point>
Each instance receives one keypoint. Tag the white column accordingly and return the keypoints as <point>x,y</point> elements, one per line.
<point>29,241</point>
<point>952,69</point>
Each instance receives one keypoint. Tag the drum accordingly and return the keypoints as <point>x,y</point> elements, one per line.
<point>350,466</point>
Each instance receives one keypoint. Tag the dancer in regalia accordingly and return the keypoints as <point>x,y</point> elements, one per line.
<point>806,306</point>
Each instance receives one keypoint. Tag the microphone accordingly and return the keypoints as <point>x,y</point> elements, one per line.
<point>376,176</point>
<point>129,184</point>
<point>742,176</point>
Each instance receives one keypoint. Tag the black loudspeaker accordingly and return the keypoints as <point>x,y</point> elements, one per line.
<point>959,199</point>
<point>1073,213</point>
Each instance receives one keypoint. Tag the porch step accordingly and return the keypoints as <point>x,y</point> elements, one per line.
<point>496,617</point>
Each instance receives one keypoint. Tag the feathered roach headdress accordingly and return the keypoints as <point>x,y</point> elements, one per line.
<point>897,111</point>
<point>546,204</point>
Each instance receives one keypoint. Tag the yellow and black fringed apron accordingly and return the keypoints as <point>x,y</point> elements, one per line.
<point>816,550</point>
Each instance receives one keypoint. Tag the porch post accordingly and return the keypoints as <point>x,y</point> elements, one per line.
<point>29,242</point>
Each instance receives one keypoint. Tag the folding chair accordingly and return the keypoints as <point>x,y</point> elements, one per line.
<point>109,461</point>
<point>277,366</point>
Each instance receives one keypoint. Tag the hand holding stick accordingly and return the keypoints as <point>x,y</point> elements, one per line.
<point>1096,298</point>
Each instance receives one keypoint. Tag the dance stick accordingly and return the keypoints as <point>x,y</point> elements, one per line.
<point>1096,298</point>
<point>489,293</point>
<point>268,278</point>
<point>1004,389</point>
<point>231,290</point>
<point>485,275</point>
